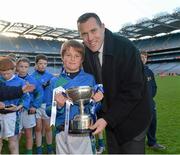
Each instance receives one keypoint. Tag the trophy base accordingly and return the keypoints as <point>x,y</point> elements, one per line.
<point>80,131</point>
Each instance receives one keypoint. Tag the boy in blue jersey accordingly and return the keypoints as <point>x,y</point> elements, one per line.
<point>43,121</point>
<point>72,75</point>
<point>28,119</point>
<point>152,88</point>
<point>10,116</point>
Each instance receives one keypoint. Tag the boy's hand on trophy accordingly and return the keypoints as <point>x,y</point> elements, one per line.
<point>60,99</point>
<point>98,96</point>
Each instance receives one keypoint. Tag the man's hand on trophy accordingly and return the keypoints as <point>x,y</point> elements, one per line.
<point>60,99</point>
<point>99,126</point>
<point>28,88</point>
<point>98,96</point>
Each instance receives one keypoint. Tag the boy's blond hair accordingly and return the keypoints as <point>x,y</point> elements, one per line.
<point>79,47</point>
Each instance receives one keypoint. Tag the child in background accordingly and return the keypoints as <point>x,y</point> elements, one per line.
<point>43,121</point>
<point>72,53</point>
<point>28,119</point>
<point>10,117</point>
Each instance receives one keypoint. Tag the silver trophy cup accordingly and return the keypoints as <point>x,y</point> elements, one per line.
<point>80,96</point>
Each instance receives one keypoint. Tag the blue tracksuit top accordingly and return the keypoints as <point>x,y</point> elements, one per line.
<point>44,80</point>
<point>82,79</point>
<point>37,94</point>
<point>24,100</point>
<point>152,87</point>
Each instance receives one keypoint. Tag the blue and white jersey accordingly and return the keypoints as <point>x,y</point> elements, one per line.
<point>37,94</point>
<point>82,79</point>
<point>44,80</point>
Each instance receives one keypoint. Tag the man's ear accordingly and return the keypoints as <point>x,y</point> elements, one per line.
<point>103,26</point>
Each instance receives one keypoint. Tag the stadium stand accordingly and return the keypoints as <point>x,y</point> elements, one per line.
<point>163,50</point>
<point>162,43</point>
<point>21,44</point>
<point>165,68</point>
<point>29,48</point>
<point>6,44</point>
<point>164,53</point>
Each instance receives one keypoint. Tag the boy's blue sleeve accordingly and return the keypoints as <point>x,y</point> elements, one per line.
<point>49,98</point>
<point>48,110</point>
<point>25,101</point>
<point>38,95</point>
<point>154,86</point>
<point>49,93</point>
<point>98,87</point>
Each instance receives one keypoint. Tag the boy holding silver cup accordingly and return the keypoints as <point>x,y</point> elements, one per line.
<point>64,110</point>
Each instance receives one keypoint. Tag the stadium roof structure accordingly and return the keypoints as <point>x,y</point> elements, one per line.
<point>161,23</point>
<point>40,31</point>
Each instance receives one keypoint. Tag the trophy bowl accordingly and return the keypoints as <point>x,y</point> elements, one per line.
<point>78,94</point>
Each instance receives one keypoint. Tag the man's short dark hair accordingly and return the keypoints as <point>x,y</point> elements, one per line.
<point>84,17</point>
<point>40,56</point>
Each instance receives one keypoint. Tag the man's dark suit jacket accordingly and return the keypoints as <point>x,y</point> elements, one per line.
<point>126,108</point>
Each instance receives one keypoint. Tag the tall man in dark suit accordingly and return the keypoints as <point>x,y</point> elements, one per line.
<point>126,111</point>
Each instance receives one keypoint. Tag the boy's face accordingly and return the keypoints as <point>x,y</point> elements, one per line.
<point>41,65</point>
<point>7,74</point>
<point>144,58</point>
<point>72,60</point>
<point>22,68</point>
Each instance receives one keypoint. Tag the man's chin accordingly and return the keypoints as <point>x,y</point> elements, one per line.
<point>93,49</point>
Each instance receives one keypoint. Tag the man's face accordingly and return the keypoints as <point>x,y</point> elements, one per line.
<point>92,34</point>
<point>72,60</point>
<point>7,74</point>
<point>41,65</point>
<point>144,58</point>
<point>22,68</point>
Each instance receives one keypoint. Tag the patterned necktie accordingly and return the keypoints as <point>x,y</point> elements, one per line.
<point>98,67</point>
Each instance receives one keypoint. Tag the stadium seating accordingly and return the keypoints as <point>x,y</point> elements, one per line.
<point>163,51</point>
<point>30,48</point>
<point>6,44</point>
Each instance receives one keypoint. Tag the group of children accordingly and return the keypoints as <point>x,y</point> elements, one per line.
<point>32,111</point>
